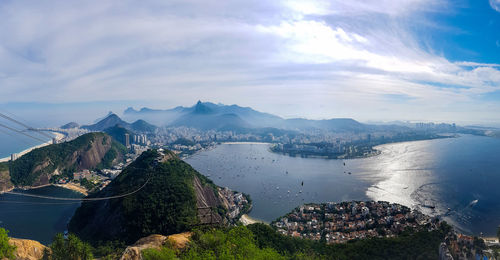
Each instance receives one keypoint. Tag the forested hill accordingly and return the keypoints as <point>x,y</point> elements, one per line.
<point>169,202</point>
<point>89,151</point>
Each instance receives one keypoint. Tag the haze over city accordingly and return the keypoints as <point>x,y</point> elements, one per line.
<point>419,60</point>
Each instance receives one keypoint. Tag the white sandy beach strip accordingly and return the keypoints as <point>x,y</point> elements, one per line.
<point>58,137</point>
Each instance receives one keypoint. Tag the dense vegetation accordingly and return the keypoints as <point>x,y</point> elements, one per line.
<point>70,248</point>
<point>4,166</point>
<point>166,205</point>
<point>259,241</point>
<point>6,250</point>
<point>27,170</point>
<point>234,243</point>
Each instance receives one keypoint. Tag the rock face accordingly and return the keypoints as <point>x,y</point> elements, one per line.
<point>206,200</point>
<point>134,252</point>
<point>5,183</point>
<point>90,151</point>
<point>27,249</point>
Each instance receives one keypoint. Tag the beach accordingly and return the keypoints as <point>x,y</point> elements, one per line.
<point>58,137</point>
<point>247,220</point>
<point>73,187</point>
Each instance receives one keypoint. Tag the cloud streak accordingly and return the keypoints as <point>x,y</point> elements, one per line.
<point>324,58</point>
<point>495,4</point>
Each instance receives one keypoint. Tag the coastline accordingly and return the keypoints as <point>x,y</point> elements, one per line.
<point>73,187</point>
<point>58,137</point>
<point>247,220</point>
<point>244,143</point>
<point>69,186</point>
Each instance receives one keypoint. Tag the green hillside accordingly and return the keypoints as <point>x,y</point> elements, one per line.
<point>118,133</point>
<point>89,151</point>
<point>259,241</point>
<point>166,205</point>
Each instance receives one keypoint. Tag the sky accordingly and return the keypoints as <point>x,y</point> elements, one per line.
<point>371,60</point>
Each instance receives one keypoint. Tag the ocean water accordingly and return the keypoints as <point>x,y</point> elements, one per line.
<point>35,218</point>
<point>459,176</point>
<point>15,143</point>
<point>462,174</point>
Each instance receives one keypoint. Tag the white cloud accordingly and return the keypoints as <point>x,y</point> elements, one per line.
<point>326,53</point>
<point>495,4</point>
<point>476,64</point>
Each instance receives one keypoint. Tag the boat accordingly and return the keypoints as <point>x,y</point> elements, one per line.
<point>474,202</point>
<point>428,205</point>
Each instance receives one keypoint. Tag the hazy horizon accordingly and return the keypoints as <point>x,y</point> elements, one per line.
<point>417,60</point>
<point>55,115</point>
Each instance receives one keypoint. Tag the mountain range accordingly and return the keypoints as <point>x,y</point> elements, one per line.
<point>112,120</point>
<point>210,116</point>
<point>206,115</point>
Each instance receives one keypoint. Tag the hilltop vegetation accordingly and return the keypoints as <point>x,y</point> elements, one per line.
<point>166,205</point>
<point>6,250</point>
<point>89,151</point>
<point>259,241</point>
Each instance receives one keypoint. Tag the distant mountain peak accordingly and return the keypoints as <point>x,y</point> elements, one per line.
<point>202,108</point>
<point>70,125</point>
<point>129,110</point>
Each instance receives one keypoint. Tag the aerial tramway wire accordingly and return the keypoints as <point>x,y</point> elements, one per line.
<point>78,199</point>
<point>15,136</point>
<point>21,132</point>
<point>24,125</point>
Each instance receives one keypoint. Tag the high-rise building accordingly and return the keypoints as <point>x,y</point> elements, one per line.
<point>127,140</point>
<point>13,157</point>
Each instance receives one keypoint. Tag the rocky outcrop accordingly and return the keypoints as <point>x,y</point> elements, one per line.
<point>134,252</point>
<point>88,151</point>
<point>5,183</point>
<point>27,249</point>
<point>206,201</point>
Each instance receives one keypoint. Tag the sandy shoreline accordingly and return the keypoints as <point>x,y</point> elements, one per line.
<point>69,186</point>
<point>58,137</point>
<point>73,187</point>
<point>247,220</point>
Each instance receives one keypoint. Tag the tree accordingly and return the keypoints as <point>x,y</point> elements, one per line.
<point>498,232</point>
<point>71,248</point>
<point>6,250</point>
